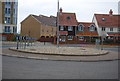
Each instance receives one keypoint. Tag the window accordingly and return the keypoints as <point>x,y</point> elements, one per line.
<point>68,17</point>
<point>7,29</point>
<point>103,19</point>
<point>80,28</point>
<point>111,29</point>
<point>8,10</point>
<point>118,29</point>
<point>81,38</point>
<point>14,29</point>
<point>9,2</point>
<point>70,28</point>
<point>63,38</point>
<point>103,29</point>
<point>7,20</point>
<point>61,27</point>
<point>70,37</point>
<point>92,27</point>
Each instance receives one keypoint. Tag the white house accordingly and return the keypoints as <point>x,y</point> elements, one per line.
<point>107,25</point>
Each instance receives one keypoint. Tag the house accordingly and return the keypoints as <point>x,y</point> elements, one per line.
<point>8,19</point>
<point>72,32</point>
<point>86,32</point>
<point>108,25</point>
<point>40,27</point>
<point>67,27</point>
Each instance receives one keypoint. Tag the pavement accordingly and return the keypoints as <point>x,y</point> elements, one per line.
<point>62,51</point>
<point>106,57</point>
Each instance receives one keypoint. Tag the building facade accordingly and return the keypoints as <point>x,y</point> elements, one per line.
<point>8,18</point>
<point>108,25</point>
<point>71,31</point>
<point>41,27</point>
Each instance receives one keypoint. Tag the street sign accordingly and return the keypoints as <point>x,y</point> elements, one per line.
<point>17,37</point>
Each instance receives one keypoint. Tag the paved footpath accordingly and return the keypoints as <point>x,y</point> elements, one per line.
<point>107,57</point>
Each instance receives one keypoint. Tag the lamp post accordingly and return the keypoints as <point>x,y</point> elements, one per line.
<point>58,25</point>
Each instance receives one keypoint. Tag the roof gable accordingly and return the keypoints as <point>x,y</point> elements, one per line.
<point>51,21</point>
<point>106,20</point>
<point>67,19</point>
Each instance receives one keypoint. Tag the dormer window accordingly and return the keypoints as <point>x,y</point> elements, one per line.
<point>68,17</point>
<point>80,27</point>
<point>92,27</point>
<point>103,19</point>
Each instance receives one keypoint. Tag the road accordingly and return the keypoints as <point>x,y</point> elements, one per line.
<point>21,68</point>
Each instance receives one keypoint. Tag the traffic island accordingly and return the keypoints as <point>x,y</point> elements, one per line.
<point>62,51</point>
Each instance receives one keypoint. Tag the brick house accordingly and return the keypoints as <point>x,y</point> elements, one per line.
<point>86,32</point>
<point>108,25</point>
<point>67,27</point>
<point>41,27</point>
<point>72,32</point>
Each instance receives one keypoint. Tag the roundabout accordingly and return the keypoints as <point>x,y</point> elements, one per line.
<point>62,51</point>
<point>89,54</point>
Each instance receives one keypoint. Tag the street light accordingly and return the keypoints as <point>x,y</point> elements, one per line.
<point>58,25</point>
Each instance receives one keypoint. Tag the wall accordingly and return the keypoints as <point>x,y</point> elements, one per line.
<point>48,30</point>
<point>30,27</point>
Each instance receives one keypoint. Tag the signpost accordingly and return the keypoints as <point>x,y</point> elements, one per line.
<point>17,39</point>
<point>22,41</point>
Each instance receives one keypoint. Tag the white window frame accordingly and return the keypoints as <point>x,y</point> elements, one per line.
<point>70,28</point>
<point>61,28</point>
<point>92,27</point>
<point>103,29</point>
<point>111,29</point>
<point>81,38</point>
<point>80,27</point>
<point>70,37</point>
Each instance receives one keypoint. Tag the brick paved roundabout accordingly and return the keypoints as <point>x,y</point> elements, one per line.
<point>62,53</point>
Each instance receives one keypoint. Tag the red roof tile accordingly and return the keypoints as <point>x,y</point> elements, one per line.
<point>86,24</point>
<point>108,21</point>
<point>67,19</point>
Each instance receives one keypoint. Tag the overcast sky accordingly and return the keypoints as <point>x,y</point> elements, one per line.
<point>84,9</point>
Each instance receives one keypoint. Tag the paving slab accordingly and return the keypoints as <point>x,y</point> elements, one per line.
<point>65,51</point>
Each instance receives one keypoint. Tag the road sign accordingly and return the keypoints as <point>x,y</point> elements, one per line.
<point>17,38</point>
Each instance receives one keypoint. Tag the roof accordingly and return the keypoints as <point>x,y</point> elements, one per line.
<point>86,31</point>
<point>86,24</point>
<point>106,20</point>
<point>67,19</point>
<point>51,21</point>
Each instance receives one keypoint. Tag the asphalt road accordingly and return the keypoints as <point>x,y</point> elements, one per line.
<point>21,68</point>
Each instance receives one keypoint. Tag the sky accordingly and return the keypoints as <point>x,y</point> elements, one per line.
<point>84,9</point>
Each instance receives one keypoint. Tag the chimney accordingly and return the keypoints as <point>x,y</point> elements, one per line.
<point>110,12</point>
<point>60,10</point>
